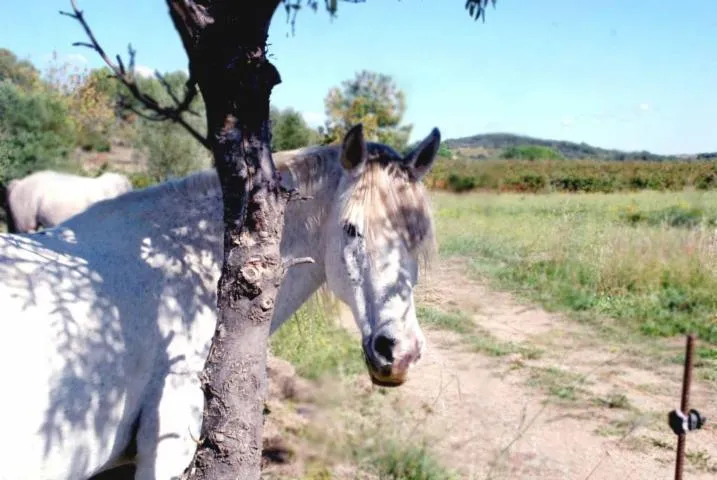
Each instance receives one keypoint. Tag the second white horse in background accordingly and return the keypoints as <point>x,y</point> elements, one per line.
<point>47,198</point>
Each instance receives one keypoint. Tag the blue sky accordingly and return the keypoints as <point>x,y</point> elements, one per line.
<point>631,75</point>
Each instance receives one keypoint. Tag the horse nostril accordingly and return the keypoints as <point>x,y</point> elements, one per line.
<point>383,346</point>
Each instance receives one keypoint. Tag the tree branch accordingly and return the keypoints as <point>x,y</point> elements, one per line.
<point>298,261</point>
<point>127,78</point>
<point>477,8</point>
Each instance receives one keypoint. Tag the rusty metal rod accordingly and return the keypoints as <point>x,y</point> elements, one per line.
<point>684,404</point>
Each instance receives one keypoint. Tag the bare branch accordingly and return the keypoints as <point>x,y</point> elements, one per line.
<point>298,261</point>
<point>293,194</point>
<point>189,95</point>
<point>146,116</point>
<point>127,77</point>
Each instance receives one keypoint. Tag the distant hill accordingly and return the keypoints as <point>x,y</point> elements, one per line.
<point>493,144</point>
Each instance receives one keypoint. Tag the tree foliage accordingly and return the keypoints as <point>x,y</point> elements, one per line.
<point>289,130</point>
<point>475,8</point>
<point>372,99</point>
<point>45,115</point>
<point>171,152</point>
<point>19,72</point>
<point>36,131</point>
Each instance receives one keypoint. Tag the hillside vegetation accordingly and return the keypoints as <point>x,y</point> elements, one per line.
<point>492,144</point>
<point>461,174</point>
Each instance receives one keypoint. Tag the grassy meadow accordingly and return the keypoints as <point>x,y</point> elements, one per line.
<point>647,259</point>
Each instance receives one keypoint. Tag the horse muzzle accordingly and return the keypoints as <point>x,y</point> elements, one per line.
<point>392,375</point>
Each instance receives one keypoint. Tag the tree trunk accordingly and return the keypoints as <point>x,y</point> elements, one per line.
<point>5,207</point>
<point>226,44</point>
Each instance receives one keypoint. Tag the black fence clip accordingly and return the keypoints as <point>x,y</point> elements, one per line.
<point>681,423</point>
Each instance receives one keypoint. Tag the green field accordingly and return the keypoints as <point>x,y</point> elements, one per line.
<point>647,259</point>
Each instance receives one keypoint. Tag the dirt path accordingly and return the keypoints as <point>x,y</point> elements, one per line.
<point>554,402</point>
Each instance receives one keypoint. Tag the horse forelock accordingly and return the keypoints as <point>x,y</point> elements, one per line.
<point>387,204</point>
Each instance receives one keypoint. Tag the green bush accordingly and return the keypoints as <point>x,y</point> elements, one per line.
<point>460,183</point>
<point>141,180</point>
<point>289,130</point>
<point>706,181</point>
<point>571,175</point>
<point>171,151</point>
<point>94,141</point>
<point>444,151</point>
<point>35,132</point>
<point>673,216</point>
<point>531,153</point>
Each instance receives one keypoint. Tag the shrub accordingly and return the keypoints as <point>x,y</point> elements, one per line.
<point>171,151</point>
<point>571,176</point>
<point>706,181</point>
<point>444,151</point>
<point>460,183</point>
<point>141,180</point>
<point>684,216</point>
<point>289,130</point>
<point>35,132</point>
<point>531,153</point>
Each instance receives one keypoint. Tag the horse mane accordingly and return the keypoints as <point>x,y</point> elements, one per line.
<point>204,181</point>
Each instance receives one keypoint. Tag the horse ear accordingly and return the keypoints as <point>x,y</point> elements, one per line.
<point>419,161</point>
<point>353,149</point>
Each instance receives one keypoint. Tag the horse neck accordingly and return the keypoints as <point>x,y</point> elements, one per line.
<point>188,213</point>
<point>173,216</point>
<point>316,177</point>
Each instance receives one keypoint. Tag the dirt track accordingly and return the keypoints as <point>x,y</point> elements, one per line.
<point>582,409</point>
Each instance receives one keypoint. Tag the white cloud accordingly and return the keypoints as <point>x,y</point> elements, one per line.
<point>314,119</point>
<point>567,121</point>
<point>144,71</point>
<point>644,106</point>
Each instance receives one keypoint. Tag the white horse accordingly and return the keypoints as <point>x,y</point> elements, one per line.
<point>47,198</point>
<point>107,319</point>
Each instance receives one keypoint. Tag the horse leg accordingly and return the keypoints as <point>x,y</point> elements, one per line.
<point>21,222</point>
<point>165,446</point>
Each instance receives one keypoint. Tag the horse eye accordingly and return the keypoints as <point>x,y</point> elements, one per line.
<point>350,230</point>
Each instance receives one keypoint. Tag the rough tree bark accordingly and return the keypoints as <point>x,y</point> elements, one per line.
<point>226,44</point>
<point>5,206</point>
